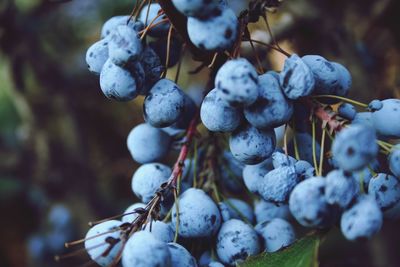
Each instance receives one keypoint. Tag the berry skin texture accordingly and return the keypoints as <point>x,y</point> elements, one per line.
<point>394,161</point>
<point>237,82</point>
<point>363,118</point>
<point>304,146</point>
<point>308,205</point>
<point>341,188</point>
<point>386,120</point>
<point>347,111</point>
<point>164,104</point>
<point>277,234</point>
<point>296,79</point>
<point>117,83</point>
<point>386,190</point>
<point>112,23</point>
<point>93,247</point>
<point>124,45</point>
<point>217,115</point>
<point>272,108</point>
<point>280,159</point>
<point>236,241</point>
<point>277,184</point>
<point>215,264</point>
<point>266,211</point>
<point>143,250</point>
<point>354,147</point>
<point>180,257</point>
<point>199,216</point>
<point>148,144</point>
<point>345,80</point>
<point>160,230</point>
<point>362,220</point>
<point>218,33</point>
<point>231,170</point>
<point>148,178</point>
<point>159,30</point>
<point>304,169</point>
<point>196,8</point>
<point>131,217</point>
<point>252,174</point>
<point>250,145</point>
<point>375,105</point>
<point>238,208</point>
<point>97,55</point>
<point>152,67</point>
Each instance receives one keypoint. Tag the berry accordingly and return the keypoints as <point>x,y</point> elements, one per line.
<point>59,217</point>
<point>386,120</point>
<point>198,214</point>
<point>272,108</point>
<point>97,55</point>
<point>215,264</point>
<point>148,178</point>
<point>160,230</point>
<point>277,184</point>
<point>362,220</point>
<point>250,145</point>
<point>296,79</point>
<point>386,190</point>
<point>363,118</point>
<point>347,111</point>
<point>236,241</point>
<point>394,161</point>
<point>341,188</point>
<point>238,209</point>
<point>180,257</point>
<point>164,104</point>
<point>277,234</point>
<point>152,67</point>
<point>266,211</point>
<point>375,105</point>
<point>148,13</point>
<point>304,169</point>
<point>308,204</point>
<point>231,172</point>
<point>139,251</point>
<point>160,46</point>
<point>344,78</point>
<point>196,8</point>
<point>129,218</point>
<point>111,24</point>
<point>304,143</point>
<point>148,144</point>
<point>354,147</point>
<point>96,242</point>
<point>217,33</point>
<point>217,115</point>
<point>117,83</point>
<point>280,159</point>
<point>124,45</point>
<point>252,174</point>
<point>237,82</point>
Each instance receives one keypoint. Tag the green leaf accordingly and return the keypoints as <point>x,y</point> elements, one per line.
<point>302,253</point>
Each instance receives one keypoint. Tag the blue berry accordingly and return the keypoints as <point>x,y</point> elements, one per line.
<point>386,190</point>
<point>160,46</point>
<point>189,110</point>
<point>375,105</point>
<point>362,220</point>
<point>271,108</point>
<point>124,46</point>
<point>148,178</point>
<point>59,217</point>
<point>36,246</point>
<point>215,264</point>
<point>363,118</point>
<point>250,145</point>
<point>347,111</point>
<point>236,241</point>
<point>252,174</point>
<point>354,147</point>
<point>238,209</point>
<point>277,184</point>
<point>111,24</point>
<point>160,230</point>
<point>96,242</point>
<point>267,211</point>
<point>129,218</point>
<point>308,204</point>
<point>180,257</point>
<point>325,74</point>
<point>277,234</point>
<point>280,159</point>
<point>237,82</point>
<point>304,169</point>
<point>217,33</point>
<point>205,258</point>
<point>154,9</point>
<point>152,67</point>
<point>118,83</point>
<point>296,79</point>
<point>139,251</point>
<point>199,216</point>
<point>341,188</point>
<point>344,78</point>
<point>164,104</point>
<point>304,145</point>
<point>196,8</point>
<point>231,172</point>
<point>97,55</point>
<point>217,115</point>
<point>386,120</point>
<point>394,161</point>
<point>148,144</point>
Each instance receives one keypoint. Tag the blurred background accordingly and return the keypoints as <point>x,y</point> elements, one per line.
<point>63,155</point>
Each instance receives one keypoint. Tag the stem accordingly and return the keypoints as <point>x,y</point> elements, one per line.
<point>314,146</point>
<point>321,155</point>
<point>357,103</point>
